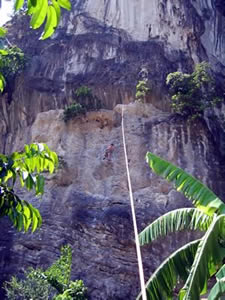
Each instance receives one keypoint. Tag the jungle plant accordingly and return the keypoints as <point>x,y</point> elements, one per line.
<point>54,283</point>
<point>26,168</point>
<point>12,61</point>
<point>141,90</point>
<point>192,93</point>
<point>72,111</point>
<point>84,101</point>
<point>197,261</point>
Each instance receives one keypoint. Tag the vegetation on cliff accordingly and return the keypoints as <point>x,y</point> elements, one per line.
<point>53,283</point>
<point>197,261</point>
<point>83,101</point>
<point>192,93</point>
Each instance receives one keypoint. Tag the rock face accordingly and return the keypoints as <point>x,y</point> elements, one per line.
<point>109,45</point>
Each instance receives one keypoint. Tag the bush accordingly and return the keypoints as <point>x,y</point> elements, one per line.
<point>192,93</point>
<point>12,61</point>
<point>73,110</point>
<point>141,90</point>
<point>84,101</point>
<point>54,283</point>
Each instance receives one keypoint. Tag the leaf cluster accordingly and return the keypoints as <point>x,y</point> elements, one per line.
<point>84,101</point>
<point>54,283</point>
<point>26,168</point>
<point>12,61</point>
<point>44,12</point>
<point>141,90</point>
<point>192,93</point>
<point>197,261</point>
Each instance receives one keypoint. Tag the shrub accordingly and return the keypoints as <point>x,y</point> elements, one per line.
<point>84,101</point>
<point>141,90</point>
<point>12,61</point>
<point>192,93</point>
<point>54,283</point>
<point>73,110</point>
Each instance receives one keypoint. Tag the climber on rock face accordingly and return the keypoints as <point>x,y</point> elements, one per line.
<point>108,152</point>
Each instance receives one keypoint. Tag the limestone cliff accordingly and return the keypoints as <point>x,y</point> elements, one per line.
<point>108,45</point>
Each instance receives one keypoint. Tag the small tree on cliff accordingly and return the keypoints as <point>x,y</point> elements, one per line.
<point>192,93</point>
<point>197,261</point>
<point>26,168</point>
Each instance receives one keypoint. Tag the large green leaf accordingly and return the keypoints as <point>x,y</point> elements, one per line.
<point>18,4</point>
<point>51,23</point>
<point>217,290</point>
<point>3,32</point>
<point>39,14</point>
<point>22,214</point>
<point>209,255</point>
<point>173,221</point>
<point>2,83</point>
<point>163,281</point>
<point>201,196</point>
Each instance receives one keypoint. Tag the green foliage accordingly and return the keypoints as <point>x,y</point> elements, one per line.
<point>72,111</point>
<point>59,273</point>
<point>25,166</point>
<point>76,291</point>
<point>141,90</point>
<point>43,11</point>
<point>12,61</point>
<point>54,283</point>
<point>3,32</point>
<point>197,261</point>
<point>84,101</point>
<point>192,93</point>
<point>34,286</point>
<point>83,92</point>
<point>200,195</point>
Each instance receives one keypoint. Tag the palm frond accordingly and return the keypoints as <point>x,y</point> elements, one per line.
<point>218,289</point>
<point>163,281</point>
<point>209,255</point>
<point>173,221</point>
<point>201,196</point>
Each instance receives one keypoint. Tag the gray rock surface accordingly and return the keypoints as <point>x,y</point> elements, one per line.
<point>86,202</point>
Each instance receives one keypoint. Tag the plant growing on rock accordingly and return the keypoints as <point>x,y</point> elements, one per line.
<point>197,261</point>
<point>54,283</point>
<point>84,101</point>
<point>141,91</point>
<point>25,167</point>
<point>12,61</point>
<point>192,93</point>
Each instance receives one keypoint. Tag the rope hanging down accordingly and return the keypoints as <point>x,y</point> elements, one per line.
<point>138,249</point>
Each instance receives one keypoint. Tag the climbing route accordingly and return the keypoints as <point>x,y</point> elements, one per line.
<point>138,249</point>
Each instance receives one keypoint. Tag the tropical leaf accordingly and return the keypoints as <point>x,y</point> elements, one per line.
<point>173,221</point>
<point>201,196</point>
<point>217,290</point>
<point>39,14</point>
<point>65,4</point>
<point>18,4</point>
<point>163,281</point>
<point>21,213</point>
<point>51,23</point>
<point>3,32</point>
<point>209,255</point>
<point>2,83</point>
